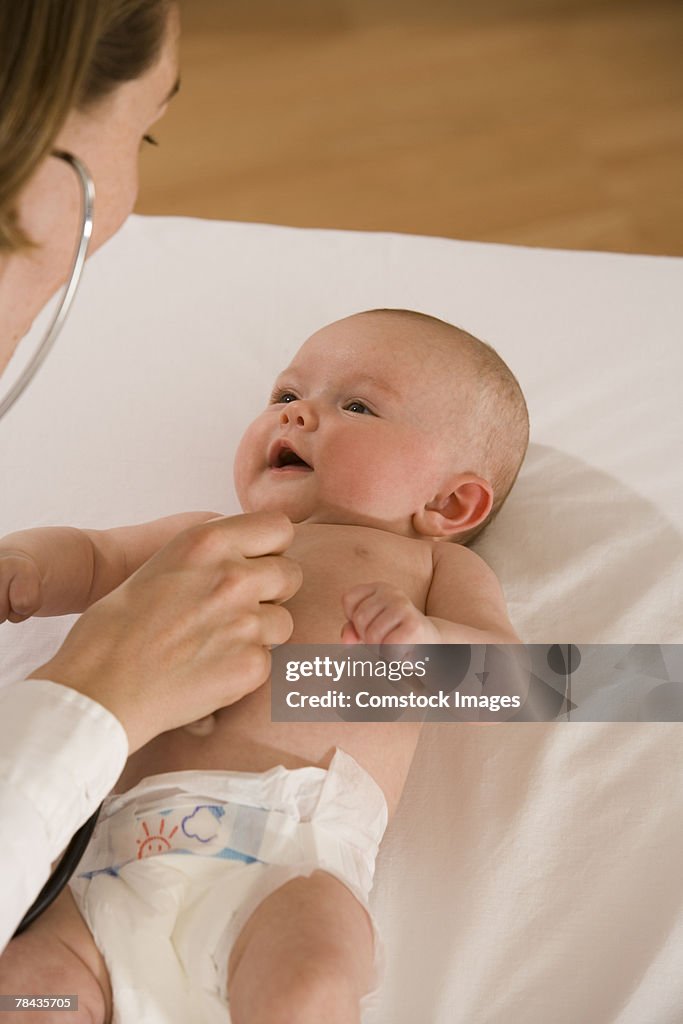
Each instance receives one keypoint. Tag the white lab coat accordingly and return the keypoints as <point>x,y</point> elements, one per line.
<point>60,754</point>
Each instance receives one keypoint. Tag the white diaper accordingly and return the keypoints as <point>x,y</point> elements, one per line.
<point>179,863</point>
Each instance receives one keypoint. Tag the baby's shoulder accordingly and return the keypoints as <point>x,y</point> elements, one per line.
<point>466,590</point>
<point>461,563</point>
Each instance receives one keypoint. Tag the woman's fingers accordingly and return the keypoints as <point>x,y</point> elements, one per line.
<point>273,578</point>
<point>243,551</point>
<point>190,631</point>
<point>265,625</point>
<point>251,535</point>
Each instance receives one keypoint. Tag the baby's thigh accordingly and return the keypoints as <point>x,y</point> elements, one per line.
<point>310,943</point>
<point>56,956</point>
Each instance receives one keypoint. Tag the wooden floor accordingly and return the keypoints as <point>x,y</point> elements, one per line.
<point>539,122</point>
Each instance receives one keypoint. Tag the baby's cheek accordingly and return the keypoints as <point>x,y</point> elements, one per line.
<point>244,469</point>
<point>370,486</point>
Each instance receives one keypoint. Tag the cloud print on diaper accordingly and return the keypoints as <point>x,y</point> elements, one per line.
<point>201,824</point>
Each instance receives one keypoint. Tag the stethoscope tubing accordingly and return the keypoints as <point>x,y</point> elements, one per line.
<point>87,209</point>
<point>62,873</point>
<point>79,841</point>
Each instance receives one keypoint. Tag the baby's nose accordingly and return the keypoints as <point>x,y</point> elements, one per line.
<point>299,414</point>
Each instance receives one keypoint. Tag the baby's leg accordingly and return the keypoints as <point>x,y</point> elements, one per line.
<point>57,955</point>
<point>304,956</point>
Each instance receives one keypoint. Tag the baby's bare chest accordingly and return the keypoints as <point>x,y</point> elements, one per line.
<point>335,559</point>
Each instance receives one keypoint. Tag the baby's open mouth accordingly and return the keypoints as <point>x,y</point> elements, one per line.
<point>283,456</point>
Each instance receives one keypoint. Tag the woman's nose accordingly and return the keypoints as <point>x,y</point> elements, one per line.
<point>299,414</point>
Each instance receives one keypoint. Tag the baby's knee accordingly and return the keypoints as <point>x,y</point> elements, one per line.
<point>306,991</point>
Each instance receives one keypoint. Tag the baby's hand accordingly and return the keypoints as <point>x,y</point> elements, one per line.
<point>20,586</point>
<point>380,613</point>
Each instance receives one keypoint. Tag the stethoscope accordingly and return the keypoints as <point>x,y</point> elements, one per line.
<point>87,204</point>
<point>76,848</point>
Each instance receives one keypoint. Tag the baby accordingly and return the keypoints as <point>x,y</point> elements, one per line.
<point>234,862</point>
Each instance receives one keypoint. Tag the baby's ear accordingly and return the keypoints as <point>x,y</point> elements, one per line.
<point>461,506</point>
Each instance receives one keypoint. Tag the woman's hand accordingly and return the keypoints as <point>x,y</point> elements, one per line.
<point>190,631</point>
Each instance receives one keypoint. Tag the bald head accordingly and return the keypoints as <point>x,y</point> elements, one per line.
<point>498,420</point>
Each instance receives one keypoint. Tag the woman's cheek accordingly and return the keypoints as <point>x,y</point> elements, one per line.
<point>116,195</point>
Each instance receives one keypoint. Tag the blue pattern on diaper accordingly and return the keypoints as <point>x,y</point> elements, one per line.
<point>228,854</point>
<point>198,829</point>
<point>225,854</point>
<point>202,827</point>
<point>113,871</point>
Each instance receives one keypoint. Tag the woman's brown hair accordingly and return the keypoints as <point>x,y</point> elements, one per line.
<point>58,55</point>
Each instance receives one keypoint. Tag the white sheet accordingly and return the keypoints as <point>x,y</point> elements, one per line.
<point>532,873</point>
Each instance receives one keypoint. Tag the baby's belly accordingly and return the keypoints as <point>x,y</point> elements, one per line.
<point>244,738</point>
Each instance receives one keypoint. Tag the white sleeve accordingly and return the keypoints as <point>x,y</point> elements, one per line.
<point>60,754</point>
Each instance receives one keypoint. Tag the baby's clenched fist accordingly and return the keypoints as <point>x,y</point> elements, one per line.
<point>20,586</point>
<point>380,613</point>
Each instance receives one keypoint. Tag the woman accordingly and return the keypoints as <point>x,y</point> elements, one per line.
<point>191,631</point>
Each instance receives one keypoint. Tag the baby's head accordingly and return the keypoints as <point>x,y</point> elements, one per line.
<point>390,419</point>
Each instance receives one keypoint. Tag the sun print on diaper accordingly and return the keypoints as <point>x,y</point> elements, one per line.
<point>200,827</point>
<point>154,843</point>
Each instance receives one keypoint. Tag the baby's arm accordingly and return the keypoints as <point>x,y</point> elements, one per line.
<point>58,570</point>
<point>464,605</point>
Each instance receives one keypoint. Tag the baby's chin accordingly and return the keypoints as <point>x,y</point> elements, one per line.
<point>299,512</point>
<point>347,517</point>
<point>296,511</point>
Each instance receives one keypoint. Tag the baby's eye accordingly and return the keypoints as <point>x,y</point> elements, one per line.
<point>358,407</point>
<point>283,397</point>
